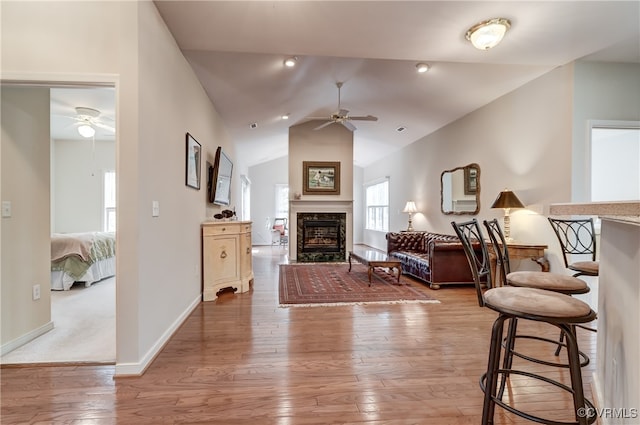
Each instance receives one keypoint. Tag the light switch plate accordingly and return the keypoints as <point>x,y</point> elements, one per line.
<point>6,208</point>
<point>155,209</point>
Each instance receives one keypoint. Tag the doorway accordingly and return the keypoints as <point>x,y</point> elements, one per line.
<point>79,166</point>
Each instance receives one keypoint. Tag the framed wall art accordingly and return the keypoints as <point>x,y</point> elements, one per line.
<point>320,178</point>
<point>193,155</point>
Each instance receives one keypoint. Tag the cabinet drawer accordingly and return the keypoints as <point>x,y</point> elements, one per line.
<point>221,229</point>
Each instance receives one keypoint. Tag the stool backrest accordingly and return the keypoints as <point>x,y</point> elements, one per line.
<point>499,245</point>
<point>471,238</point>
<point>576,236</point>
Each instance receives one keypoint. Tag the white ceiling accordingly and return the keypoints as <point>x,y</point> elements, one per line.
<point>237,49</point>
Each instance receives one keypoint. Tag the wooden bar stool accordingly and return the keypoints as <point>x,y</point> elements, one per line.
<point>513,303</point>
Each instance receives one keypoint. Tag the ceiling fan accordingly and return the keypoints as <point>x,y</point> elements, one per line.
<point>341,116</point>
<point>88,119</point>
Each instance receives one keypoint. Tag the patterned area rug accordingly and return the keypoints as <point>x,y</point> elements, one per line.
<point>330,284</point>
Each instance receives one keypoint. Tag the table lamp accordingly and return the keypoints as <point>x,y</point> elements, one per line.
<point>507,200</point>
<point>410,208</point>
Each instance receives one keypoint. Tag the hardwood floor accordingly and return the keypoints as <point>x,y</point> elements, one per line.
<point>244,360</point>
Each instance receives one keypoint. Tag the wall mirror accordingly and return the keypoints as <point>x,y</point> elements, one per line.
<point>460,190</point>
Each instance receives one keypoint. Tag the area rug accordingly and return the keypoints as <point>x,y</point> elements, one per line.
<point>331,284</point>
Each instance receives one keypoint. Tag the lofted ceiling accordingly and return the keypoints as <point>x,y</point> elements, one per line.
<point>237,49</point>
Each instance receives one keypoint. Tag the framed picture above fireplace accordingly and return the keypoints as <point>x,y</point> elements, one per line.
<point>321,178</point>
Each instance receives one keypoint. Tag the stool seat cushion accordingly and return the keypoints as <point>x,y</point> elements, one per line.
<point>549,281</point>
<point>537,302</point>
<point>592,267</point>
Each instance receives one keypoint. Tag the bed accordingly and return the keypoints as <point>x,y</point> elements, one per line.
<point>81,257</point>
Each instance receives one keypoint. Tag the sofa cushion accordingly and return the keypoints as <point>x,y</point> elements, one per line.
<point>414,262</point>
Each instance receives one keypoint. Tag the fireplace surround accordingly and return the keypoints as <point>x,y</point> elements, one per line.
<point>321,237</point>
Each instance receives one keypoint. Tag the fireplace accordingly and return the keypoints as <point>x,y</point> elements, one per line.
<point>321,237</point>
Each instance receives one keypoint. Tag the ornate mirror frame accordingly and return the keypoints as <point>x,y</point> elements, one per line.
<point>460,190</point>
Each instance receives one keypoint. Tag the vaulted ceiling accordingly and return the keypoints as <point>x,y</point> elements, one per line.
<point>237,49</point>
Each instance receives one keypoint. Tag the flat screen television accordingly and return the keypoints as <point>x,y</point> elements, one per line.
<point>219,179</point>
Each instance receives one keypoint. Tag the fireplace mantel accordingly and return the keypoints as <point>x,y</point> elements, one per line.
<point>297,206</point>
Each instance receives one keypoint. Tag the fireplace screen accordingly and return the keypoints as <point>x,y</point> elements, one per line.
<point>321,236</point>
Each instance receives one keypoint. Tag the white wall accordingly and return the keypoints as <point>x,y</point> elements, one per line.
<point>25,235</point>
<point>263,178</point>
<point>520,141</point>
<point>159,99</point>
<point>78,183</point>
<point>603,91</point>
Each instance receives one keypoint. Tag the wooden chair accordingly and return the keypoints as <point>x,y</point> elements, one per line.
<point>539,305</point>
<point>577,236</point>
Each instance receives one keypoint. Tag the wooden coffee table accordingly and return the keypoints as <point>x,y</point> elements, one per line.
<point>373,259</point>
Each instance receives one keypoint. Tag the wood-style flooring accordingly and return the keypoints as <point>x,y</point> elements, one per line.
<point>244,360</point>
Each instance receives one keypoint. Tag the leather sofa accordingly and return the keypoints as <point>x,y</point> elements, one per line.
<point>434,258</point>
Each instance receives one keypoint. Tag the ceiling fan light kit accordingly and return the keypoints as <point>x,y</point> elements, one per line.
<point>86,130</point>
<point>488,34</point>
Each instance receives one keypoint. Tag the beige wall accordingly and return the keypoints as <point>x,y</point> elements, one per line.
<point>25,247</point>
<point>158,100</point>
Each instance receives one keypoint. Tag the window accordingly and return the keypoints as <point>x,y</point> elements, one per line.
<point>109,201</point>
<point>282,201</point>
<point>377,206</point>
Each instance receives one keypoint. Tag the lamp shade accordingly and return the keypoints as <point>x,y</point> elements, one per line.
<point>507,199</point>
<point>410,207</point>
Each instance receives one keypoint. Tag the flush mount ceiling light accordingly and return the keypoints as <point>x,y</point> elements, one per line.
<point>86,130</point>
<point>422,67</point>
<point>488,34</point>
<point>290,62</point>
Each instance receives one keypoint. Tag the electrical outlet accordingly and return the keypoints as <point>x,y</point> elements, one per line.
<point>35,292</point>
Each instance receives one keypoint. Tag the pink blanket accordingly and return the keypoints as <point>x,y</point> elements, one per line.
<point>68,244</point>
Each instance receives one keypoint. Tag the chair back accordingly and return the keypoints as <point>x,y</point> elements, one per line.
<point>576,236</point>
<point>280,225</point>
<point>499,244</point>
<point>471,237</point>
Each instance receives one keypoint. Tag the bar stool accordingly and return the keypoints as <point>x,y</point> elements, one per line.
<point>533,304</point>
<point>577,236</point>
<point>531,279</point>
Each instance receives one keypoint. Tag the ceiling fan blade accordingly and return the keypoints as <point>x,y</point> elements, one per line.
<point>342,112</point>
<point>324,125</point>
<point>349,125</point>
<point>104,126</point>
<point>367,118</point>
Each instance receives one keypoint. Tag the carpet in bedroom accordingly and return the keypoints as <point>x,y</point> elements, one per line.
<point>84,328</point>
<point>329,284</point>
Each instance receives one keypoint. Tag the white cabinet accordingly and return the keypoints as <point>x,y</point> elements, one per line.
<point>226,257</point>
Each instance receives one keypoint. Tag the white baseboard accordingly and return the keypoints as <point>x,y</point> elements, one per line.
<point>137,369</point>
<point>28,337</point>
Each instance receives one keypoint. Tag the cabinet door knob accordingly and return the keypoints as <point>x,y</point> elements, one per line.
<point>248,251</point>
<point>223,254</point>
<point>224,228</point>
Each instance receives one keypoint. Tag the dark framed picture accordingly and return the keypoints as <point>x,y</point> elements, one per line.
<point>470,180</point>
<point>193,155</point>
<point>320,178</point>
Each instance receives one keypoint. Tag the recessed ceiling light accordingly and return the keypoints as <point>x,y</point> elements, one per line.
<point>401,129</point>
<point>488,34</point>
<point>290,62</point>
<point>422,67</point>
<point>253,125</point>
<point>285,117</point>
